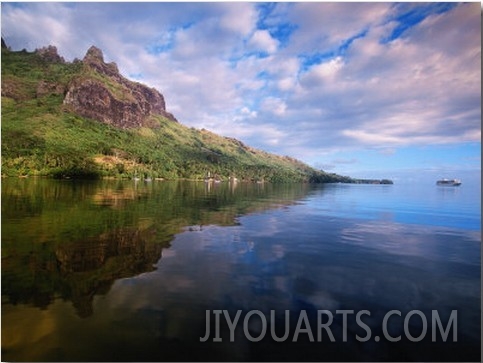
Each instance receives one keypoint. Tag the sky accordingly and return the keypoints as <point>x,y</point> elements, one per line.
<point>383,90</point>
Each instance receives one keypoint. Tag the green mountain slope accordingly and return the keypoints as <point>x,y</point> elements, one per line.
<point>43,135</point>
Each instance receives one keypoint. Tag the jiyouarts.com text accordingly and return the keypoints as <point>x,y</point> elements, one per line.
<point>321,328</point>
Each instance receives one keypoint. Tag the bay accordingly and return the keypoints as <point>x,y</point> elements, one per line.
<point>123,270</point>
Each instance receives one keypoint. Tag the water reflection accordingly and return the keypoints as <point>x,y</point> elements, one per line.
<point>78,270</point>
<point>125,271</point>
<point>73,240</point>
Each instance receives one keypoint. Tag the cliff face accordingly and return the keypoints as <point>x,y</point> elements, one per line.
<point>103,94</point>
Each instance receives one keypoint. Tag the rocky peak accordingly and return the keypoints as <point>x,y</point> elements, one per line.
<point>50,54</point>
<point>95,59</point>
<point>94,54</point>
<point>111,98</point>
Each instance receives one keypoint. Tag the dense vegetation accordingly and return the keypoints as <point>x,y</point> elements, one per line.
<point>41,136</point>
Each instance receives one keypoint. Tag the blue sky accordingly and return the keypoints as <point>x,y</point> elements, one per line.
<point>361,89</point>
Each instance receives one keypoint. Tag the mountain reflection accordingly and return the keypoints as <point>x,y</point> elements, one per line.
<point>90,267</point>
<point>79,270</point>
<point>73,240</point>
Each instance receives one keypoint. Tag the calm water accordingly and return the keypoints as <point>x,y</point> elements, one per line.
<point>124,271</point>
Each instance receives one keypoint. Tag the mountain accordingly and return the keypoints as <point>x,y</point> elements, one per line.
<point>100,92</point>
<point>83,119</point>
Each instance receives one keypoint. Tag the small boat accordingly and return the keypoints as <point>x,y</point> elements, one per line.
<point>449,182</point>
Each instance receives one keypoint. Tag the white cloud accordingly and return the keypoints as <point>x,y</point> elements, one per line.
<point>408,91</point>
<point>325,25</point>
<point>261,40</point>
<point>49,24</point>
<point>238,17</point>
<point>274,106</point>
<point>286,84</point>
<point>323,72</point>
<point>247,111</point>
